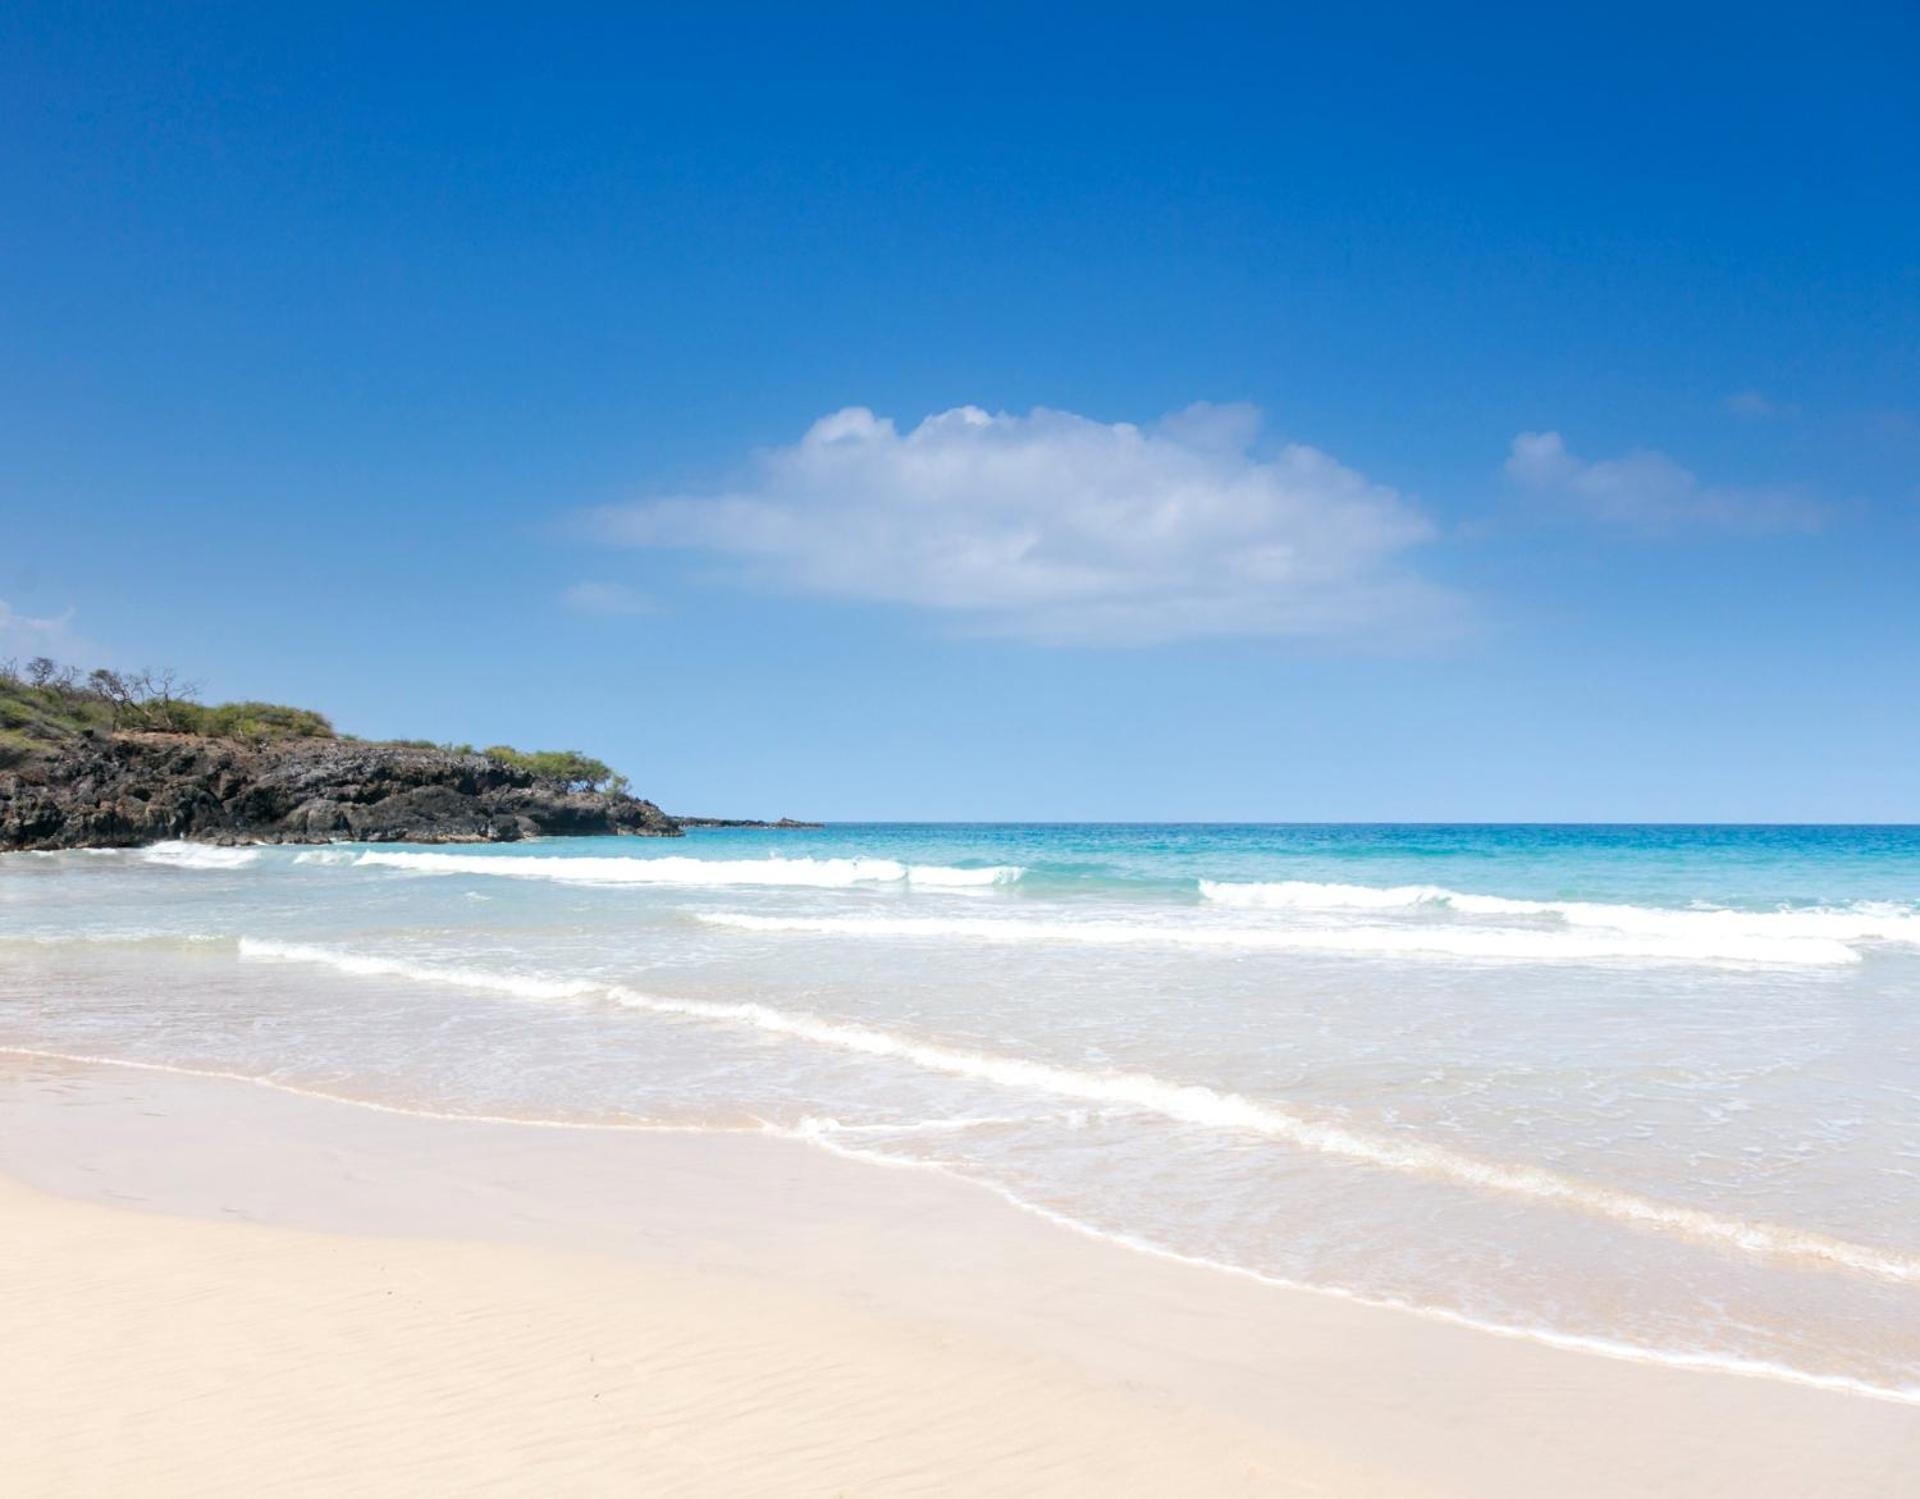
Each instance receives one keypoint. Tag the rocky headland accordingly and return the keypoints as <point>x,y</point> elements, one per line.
<point>105,763</point>
<point>135,788</point>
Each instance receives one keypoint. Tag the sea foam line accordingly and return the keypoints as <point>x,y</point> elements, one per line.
<point>1866,921</point>
<point>1508,944</point>
<point>136,937</point>
<point>1183,1103</point>
<point>774,870</point>
<point>819,1133</point>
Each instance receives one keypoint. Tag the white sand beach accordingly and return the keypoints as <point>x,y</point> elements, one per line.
<point>217,1288</point>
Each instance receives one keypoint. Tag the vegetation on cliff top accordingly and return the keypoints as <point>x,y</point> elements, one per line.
<point>44,704</point>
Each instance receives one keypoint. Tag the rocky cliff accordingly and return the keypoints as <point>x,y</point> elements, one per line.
<point>121,790</point>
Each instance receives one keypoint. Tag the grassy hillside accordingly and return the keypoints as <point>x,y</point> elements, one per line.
<point>62,707</point>
<point>45,705</point>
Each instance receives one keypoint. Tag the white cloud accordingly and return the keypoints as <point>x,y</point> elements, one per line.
<point>1646,490</point>
<point>607,598</point>
<point>23,637</point>
<point>1057,528</point>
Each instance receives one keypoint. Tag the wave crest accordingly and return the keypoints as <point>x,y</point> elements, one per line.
<point>774,870</point>
<point>182,855</point>
<point>1866,921</point>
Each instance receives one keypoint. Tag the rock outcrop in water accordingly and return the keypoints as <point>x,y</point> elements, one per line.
<point>125,789</point>
<point>783,823</point>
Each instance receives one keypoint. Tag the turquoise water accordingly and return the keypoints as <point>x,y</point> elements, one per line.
<point>1652,1092</point>
<point>1661,865</point>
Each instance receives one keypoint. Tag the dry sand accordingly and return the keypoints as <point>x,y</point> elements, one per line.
<point>212,1288</point>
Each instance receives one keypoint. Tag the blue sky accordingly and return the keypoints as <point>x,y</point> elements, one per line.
<point>482,375</point>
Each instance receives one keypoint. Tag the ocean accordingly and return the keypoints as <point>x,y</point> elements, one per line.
<point>1651,1092</point>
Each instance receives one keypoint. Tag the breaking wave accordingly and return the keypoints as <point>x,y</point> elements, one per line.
<point>181,855</point>
<point>1866,921</point>
<point>679,870</point>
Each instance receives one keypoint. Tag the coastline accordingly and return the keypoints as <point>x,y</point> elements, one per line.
<point>79,781</point>
<point>779,1320</point>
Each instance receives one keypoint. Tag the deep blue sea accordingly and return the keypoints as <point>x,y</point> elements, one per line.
<point>1653,1092</point>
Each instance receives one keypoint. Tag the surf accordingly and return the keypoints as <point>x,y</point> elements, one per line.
<point>1865,921</point>
<point>1184,1103</point>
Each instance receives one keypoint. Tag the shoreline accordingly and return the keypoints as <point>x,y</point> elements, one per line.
<point>1579,1344</point>
<point>1373,1401</point>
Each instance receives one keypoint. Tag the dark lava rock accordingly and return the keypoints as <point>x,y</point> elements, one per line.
<point>123,790</point>
<point>747,822</point>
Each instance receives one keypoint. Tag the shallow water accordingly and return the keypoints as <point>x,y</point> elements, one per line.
<point>1654,1091</point>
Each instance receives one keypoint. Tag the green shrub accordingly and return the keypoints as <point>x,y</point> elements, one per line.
<point>50,712</point>
<point>256,721</point>
<point>55,702</point>
<point>570,768</point>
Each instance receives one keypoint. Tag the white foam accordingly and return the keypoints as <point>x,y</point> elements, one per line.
<point>820,1133</point>
<point>951,877</point>
<point>1302,895</point>
<point>363,965</point>
<point>180,855</point>
<point>326,856</point>
<point>134,937</point>
<point>1867,921</point>
<point>1183,1103</point>
<point>1494,944</point>
<point>775,870</point>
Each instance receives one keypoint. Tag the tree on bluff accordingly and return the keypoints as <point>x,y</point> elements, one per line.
<point>570,768</point>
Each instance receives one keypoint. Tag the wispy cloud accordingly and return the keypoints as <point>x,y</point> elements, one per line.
<point>1646,490</point>
<point>23,636</point>
<point>607,598</point>
<point>1057,528</point>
